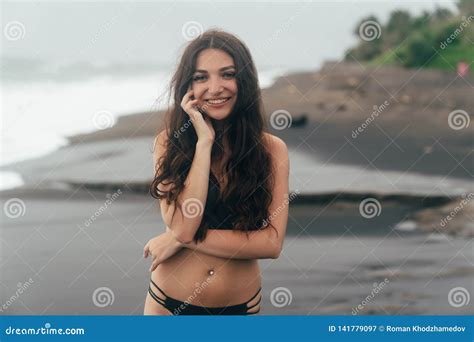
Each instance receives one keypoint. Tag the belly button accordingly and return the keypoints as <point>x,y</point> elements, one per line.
<point>211,272</point>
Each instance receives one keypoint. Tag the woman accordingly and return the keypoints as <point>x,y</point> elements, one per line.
<point>222,184</point>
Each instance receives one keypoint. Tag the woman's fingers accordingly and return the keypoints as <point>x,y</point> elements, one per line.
<point>154,264</point>
<point>154,256</point>
<point>188,103</point>
<point>190,107</point>
<point>186,98</point>
<point>145,251</point>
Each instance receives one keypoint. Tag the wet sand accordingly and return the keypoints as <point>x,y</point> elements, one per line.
<point>408,158</point>
<point>331,259</point>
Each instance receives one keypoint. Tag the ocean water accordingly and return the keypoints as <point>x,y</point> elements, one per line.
<point>38,114</point>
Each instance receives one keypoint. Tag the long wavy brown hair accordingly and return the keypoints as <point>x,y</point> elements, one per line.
<point>250,177</point>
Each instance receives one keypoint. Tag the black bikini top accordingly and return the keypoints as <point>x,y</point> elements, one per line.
<point>218,214</point>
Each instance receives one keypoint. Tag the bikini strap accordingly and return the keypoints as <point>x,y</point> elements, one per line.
<point>155,297</point>
<point>255,295</point>
<point>163,292</point>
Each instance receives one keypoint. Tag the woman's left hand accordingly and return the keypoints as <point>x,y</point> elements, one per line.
<point>161,248</point>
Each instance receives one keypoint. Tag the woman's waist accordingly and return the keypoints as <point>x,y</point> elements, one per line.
<point>191,262</point>
<point>216,279</point>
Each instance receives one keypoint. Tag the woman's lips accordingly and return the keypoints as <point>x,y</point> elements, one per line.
<point>216,103</point>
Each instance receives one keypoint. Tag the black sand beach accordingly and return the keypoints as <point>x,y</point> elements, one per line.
<point>331,260</point>
<point>66,245</point>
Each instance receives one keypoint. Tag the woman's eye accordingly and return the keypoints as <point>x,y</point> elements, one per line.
<point>199,78</point>
<point>229,74</point>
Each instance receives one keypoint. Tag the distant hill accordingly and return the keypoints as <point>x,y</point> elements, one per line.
<point>437,40</point>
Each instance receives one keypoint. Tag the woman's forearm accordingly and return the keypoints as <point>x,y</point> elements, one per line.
<point>232,244</point>
<point>186,221</point>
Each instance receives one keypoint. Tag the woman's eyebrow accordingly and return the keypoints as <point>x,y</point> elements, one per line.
<point>221,69</point>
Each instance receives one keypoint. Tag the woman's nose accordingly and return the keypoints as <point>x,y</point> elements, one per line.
<point>215,87</point>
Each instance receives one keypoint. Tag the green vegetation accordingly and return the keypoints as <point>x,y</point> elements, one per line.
<point>432,40</point>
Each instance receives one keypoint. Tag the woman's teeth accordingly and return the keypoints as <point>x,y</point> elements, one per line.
<point>219,101</point>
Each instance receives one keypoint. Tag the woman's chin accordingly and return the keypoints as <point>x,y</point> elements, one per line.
<point>217,115</point>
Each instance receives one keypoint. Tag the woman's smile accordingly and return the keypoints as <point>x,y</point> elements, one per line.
<point>217,103</point>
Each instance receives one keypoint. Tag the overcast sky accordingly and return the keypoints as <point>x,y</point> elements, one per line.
<point>298,35</point>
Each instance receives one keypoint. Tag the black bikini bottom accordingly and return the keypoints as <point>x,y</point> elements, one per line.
<point>177,307</point>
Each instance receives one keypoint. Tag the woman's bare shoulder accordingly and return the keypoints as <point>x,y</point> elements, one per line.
<point>276,145</point>
<point>160,143</point>
<point>161,138</point>
<point>159,147</point>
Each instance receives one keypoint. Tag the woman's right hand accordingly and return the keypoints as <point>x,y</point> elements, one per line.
<point>203,125</point>
<point>161,248</point>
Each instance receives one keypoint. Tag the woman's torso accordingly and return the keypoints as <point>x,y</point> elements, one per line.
<point>207,280</point>
<point>187,276</point>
